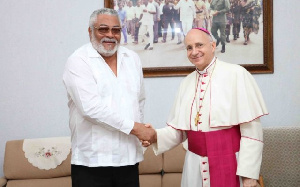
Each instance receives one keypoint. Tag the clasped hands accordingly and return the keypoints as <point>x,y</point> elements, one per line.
<point>145,133</point>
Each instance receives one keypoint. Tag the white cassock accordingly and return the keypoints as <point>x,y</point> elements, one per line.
<point>225,95</point>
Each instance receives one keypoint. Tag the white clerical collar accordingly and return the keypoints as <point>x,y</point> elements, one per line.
<point>207,67</point>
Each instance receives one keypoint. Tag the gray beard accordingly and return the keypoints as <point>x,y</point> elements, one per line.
<point>100,48</point>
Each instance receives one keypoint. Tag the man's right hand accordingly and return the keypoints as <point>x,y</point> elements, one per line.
<point>247,182</point>
<point>144,133</point>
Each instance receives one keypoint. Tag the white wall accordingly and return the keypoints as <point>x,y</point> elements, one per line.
<point>37,37</point>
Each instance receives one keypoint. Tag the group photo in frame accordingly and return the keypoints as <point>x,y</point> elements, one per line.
<point>167,56</point>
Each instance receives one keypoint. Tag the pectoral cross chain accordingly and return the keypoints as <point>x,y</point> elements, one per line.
<point>197,118</point>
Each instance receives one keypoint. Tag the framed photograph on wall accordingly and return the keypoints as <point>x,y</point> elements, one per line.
<point>168,57</point>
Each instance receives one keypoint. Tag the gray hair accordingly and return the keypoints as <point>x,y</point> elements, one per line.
<point>105,11</point>
<point>212,38</point>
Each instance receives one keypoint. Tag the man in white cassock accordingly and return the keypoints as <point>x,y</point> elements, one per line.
<point>217,110</point>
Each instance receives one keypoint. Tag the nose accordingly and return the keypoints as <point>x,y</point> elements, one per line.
<point>194,51</point>
<point>109,34</point>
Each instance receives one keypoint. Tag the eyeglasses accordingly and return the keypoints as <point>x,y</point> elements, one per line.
<point>105,30</point>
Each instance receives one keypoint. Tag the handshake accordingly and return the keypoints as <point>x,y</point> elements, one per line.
<point>145,133</point>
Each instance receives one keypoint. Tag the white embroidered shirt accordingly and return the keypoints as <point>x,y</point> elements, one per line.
<point>103,107</point>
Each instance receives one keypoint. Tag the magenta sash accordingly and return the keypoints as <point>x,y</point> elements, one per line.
<point>220,148</point>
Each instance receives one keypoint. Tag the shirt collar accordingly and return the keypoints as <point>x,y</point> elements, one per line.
<point>92,53</point>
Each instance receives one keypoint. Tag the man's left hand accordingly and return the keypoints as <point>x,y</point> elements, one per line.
<point>247,182</point>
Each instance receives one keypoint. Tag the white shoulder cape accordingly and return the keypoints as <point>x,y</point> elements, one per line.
<point>234,98</point>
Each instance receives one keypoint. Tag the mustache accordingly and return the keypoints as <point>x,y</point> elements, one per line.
<point>108,40</point>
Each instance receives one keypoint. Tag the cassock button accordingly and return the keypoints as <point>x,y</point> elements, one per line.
<point>203,82</point>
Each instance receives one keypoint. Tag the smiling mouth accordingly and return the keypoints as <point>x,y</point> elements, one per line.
<point>107,42</point>
<point>197,57</point>
<point>200,55</point>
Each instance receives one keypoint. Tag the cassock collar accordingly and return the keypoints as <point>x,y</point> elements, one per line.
<point>208,68</point>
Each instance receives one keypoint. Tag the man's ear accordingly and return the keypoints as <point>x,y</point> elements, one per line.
<point>213,46</point>
<point>90,32</point>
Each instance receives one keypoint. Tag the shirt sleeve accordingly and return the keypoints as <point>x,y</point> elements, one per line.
<point>168,138</point>
<point>82,89</point>
<point>251,147</point>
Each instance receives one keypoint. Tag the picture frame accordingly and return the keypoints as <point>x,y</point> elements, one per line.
<point>266,67</point>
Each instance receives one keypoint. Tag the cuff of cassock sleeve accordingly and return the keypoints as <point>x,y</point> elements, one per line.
<point>155,146</point>
<point>155,149</point>
<point>162,142</point>
<point>250,157</point>
<point>246,173</point>
<point>167,138</point>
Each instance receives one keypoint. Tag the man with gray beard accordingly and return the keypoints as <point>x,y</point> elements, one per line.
<point>104,83</point>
